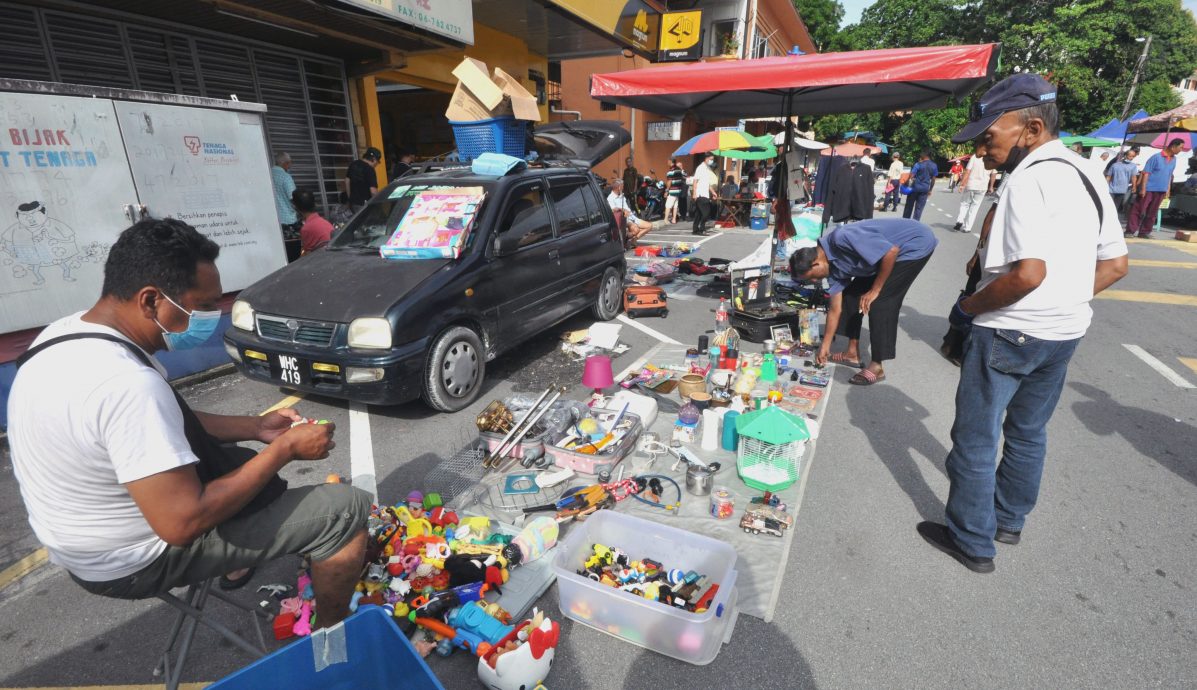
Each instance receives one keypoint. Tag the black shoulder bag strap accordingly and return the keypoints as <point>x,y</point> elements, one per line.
<point>1101,216</point>
<point>214,459</point>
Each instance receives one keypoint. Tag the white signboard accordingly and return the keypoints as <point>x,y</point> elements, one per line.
<point>664,131</point>
<point>209,168</point>
<point>451,18</point>
<point>64,185</point>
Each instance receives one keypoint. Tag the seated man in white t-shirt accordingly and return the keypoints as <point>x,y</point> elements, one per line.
<point>637,228</point>
<point>132,492</point>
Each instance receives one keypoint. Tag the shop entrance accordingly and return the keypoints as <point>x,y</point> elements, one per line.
<point>412,118</point>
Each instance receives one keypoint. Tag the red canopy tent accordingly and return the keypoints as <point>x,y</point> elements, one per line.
<point>895,79</point>
<point>818,84</point>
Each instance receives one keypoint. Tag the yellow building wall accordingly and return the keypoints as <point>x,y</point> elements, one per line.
<point>433,70</point>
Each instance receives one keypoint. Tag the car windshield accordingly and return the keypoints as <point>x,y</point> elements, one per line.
<point>371,228</point>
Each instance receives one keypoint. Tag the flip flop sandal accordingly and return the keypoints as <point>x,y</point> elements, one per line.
<point>866,377</point>
<point>227,585</point>
<point>839,358</point>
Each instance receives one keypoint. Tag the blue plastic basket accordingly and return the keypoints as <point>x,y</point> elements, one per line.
<point>497,135</point>
<point>377,656</point>
<point>759,223</point>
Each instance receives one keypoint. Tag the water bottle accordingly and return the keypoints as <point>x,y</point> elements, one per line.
<point>722,316</point>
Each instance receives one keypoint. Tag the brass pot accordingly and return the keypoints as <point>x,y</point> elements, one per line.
<point>690,384</point>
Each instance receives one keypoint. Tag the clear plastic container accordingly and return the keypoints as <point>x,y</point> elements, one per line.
<point>695,638</point>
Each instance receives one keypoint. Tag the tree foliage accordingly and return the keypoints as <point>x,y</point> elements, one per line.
<point>1086,47</point>
<point>822,19</point>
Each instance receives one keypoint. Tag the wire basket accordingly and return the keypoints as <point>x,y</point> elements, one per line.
<point>457,478</point>
<point>769,466</point>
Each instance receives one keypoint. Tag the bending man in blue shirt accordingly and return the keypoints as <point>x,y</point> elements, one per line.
<point>869,266</point>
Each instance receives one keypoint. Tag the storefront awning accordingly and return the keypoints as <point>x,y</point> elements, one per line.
<point>858,81</point>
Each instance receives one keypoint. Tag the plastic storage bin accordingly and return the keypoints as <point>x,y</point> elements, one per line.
<point>377,655</point>
<point>599,462</point>
<point>758,223</point>
<point>497,135</point>
<point>695,638</point>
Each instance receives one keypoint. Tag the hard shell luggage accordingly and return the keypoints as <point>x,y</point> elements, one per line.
<point>645,300</point>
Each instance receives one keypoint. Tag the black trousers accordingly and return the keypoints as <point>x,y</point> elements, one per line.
<point>883,314</point>
<point>703,210</point>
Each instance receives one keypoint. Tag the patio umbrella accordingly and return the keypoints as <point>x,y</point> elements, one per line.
<point>1162,140</point>
<point>780,138</point>
<point>847,149</point>
<point>1087,142</point>
<point>719,140</point>
<point>761,149</point>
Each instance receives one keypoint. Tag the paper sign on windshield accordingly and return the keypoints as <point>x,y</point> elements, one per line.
<point>436,224</point>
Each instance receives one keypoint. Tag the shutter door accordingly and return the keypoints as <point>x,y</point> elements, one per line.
<point>22,52</point>
<point>288,127</point>
<point>88,50</point>
<point>332,125</point>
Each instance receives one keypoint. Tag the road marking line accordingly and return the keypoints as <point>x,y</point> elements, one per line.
<point>645,329</point>
<point>361,449</point>
<point>285,402</point>
<point>23,567</point>
<point>1163,369</point>
<point>1152,297</point>
<point>1152,263</point>
<point>708,238</point>
<point>639,363</point>
<point>1190,362</point>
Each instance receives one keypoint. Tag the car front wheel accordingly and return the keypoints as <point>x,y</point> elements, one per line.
<point>455,369</point>
<point>610,296</point>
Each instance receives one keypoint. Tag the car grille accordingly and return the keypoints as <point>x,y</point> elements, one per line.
<point>299,331</point>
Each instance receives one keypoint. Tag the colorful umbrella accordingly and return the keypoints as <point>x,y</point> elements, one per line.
<point>1189,139</point>
<point>719,140</point>
<point>848,149</point>
<point>1087,142</point>
<point>761,149</point>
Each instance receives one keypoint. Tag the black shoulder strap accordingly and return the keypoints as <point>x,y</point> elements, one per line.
<point>34,351</point>
<point>1101,216</point>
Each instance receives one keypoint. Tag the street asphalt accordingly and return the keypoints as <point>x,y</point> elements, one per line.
<point>1100,593</point>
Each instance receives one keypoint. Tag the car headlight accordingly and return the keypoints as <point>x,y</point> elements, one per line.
<point>372,333</point>
<point>243,315</point>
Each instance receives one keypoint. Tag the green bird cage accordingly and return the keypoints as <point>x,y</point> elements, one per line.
<point>772,443</point>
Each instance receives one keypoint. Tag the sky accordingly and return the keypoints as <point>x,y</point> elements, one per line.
<point>853,8</point>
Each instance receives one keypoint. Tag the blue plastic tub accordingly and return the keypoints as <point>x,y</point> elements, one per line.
<point>758,223</point>
<point>498,135</point>
<point>377,656</point>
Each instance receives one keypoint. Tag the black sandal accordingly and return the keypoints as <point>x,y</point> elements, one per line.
<point>228,585</point>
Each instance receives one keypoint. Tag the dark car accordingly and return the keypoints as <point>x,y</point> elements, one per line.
<point>347,323</point>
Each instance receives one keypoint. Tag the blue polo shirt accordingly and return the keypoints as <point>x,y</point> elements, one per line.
<point>855,249</point>
<point>1121,173</point>
<point>1159,170</point>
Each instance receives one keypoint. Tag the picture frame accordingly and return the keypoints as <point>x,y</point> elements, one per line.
<point>781,333</point>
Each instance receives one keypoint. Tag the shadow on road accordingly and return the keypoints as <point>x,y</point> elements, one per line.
<point>1153,435</point>
<point>927,328</point>
<point>893,422</point>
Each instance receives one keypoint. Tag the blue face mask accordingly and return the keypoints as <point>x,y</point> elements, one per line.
<point>200,326</point>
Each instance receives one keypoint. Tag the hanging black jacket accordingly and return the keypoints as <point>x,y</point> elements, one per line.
<point>849,194</point>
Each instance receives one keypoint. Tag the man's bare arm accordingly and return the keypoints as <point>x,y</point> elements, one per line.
<point>1110,271</point>
<point>1023,278</point>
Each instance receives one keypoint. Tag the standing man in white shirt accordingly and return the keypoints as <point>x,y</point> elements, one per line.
<point>128,488</point>
<point>1049,244</point>
<point>867,159</point>
<point>976,184</point>
<point>706,185</point>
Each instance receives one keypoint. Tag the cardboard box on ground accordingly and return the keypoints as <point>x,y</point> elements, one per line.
<point>1186,235</point>
<point>483,96</point>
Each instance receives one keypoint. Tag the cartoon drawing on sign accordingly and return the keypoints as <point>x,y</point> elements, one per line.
<point>37,240</point>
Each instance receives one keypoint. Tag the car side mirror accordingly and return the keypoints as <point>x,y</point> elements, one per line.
<point>505,244</point>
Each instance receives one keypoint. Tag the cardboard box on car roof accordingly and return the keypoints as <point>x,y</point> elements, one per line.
<point>481,96</point>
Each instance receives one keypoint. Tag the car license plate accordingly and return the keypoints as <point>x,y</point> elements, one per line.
<point>290,370</point>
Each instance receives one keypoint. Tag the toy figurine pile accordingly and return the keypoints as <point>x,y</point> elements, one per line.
<point>431,569</point>
<point>686,590</point>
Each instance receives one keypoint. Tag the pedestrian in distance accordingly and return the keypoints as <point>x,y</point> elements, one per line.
<point>675,179</point>
<point>361,181</point>
<point>893,187</point>
<point>158,496</point>
<point>316,231</point>
<point>1048,245</point>
<point>869,266</point>
<point>976,184</point>
<point>922,181</point>
<point>703,191</point>
<point>954,174</point>
<point>866,157</point>
<point>631,184</point>
<point>1155,185</point>
<point>402,165</point>
<point>284,186</point>
<point>1121,175</point>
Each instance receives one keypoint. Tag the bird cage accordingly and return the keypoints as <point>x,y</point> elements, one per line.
<point>772,443</point>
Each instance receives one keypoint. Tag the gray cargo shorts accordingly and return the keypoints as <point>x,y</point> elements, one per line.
<point>316,521</point>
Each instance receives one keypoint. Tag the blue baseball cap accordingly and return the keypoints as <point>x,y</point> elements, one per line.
<point>1012,93</point>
